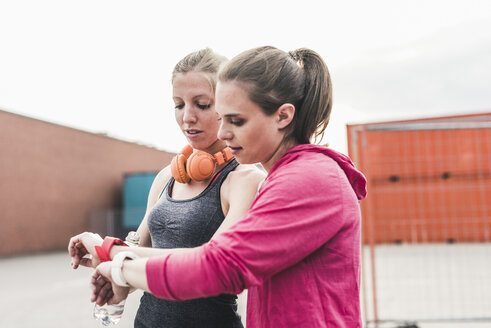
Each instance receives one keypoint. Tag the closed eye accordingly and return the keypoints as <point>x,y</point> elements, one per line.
<point>200,106</point>
<point>236,122</point>
<point>179,106</point>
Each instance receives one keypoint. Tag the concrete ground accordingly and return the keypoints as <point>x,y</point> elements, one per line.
<point>436,285</point>
<point>44,291</point>
<point>414,281</point>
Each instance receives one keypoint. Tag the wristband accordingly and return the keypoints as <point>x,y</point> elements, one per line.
<point>117,265</point>
<point>104,250</point>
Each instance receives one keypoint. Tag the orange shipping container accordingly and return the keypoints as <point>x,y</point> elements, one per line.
<point>429,180</point>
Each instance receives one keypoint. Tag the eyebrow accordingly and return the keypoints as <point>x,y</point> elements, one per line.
<point>231,115</point>
<point>201,96</point>
<point>195,97</point>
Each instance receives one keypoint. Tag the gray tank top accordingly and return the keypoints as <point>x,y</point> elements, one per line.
<point>181,224</point>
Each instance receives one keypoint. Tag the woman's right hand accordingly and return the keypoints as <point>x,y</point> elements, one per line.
<point>82,245</point>
<point>104,290</point>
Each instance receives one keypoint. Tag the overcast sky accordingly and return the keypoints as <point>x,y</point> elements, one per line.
<point>105,66</point>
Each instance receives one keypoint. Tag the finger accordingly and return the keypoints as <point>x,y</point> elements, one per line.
<point>96,283</point>
<point>101,282</point>
<point>93,294</point>
<point>71,244</point>
<point>101,298</point>
<point>86,262</point>
<point>95,275</point>
<point>79,251</point>
<point>96,286</point>
<point>103,291</point>
<point>75,262</point>
<point>110,298</point>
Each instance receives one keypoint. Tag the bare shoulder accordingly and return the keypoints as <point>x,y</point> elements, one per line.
<point>239,190</point>
<point>245,175</point>
<point>158,184</point>
<point>164,175</point>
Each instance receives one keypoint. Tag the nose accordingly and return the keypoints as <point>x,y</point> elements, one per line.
<point>189,115</point>
<point>224,133</point>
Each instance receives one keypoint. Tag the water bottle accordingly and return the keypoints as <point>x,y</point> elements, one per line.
<point>111,314</point>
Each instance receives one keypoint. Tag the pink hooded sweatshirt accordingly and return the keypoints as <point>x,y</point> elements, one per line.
<point>297,250</point>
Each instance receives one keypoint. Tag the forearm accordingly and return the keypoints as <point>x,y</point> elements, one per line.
<point>134,273</point>
<point>145,239</point>
<point>147,251</point>
<point>204,272</point>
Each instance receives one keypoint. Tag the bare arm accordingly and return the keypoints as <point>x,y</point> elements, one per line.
<point>238,192</point>
<point>153,197</point>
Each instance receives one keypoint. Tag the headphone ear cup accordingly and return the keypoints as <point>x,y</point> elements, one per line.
<point>227,154</point>
<point>187,151</point>
<point>200,166</point>
<point>178,168</point>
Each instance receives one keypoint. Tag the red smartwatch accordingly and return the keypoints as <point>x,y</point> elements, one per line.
<point>104,250</point>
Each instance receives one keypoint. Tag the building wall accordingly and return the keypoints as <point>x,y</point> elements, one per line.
<point>52,177</point>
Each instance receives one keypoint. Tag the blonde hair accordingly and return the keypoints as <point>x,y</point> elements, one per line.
<point>205,60</point>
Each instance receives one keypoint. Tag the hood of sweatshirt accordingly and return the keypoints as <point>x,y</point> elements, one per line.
<point>356,178</point>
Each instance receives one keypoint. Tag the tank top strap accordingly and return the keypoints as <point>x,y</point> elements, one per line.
<point>217,179</point>
<point>221,175</point>
<point>167,186</point>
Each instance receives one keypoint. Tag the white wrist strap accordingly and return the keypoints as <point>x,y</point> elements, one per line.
<point>117,265</point>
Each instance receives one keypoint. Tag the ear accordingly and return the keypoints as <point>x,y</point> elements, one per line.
<point>284,115</point>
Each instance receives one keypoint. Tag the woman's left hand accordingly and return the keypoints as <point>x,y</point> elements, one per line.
<point>84,244</point>
<point>104,290</point>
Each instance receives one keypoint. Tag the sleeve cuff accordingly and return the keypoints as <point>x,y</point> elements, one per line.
<point>156,277</point>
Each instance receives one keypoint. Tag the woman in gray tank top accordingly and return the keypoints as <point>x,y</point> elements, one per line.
<point>186,215</point>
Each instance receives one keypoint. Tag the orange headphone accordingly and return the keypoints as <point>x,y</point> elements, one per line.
<point>197,165</point>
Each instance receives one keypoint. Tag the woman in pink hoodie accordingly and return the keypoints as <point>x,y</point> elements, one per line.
<point>297,250</point>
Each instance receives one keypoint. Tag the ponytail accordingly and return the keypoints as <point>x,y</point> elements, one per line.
<point>313,115</point>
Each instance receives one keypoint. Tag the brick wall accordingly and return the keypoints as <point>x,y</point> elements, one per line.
<point>52,176</point>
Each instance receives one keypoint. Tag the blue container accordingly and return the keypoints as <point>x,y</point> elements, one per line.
<point>135,195</point>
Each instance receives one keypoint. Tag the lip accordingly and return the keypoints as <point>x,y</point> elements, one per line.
<point>235,150</point>
<point>192,133</point>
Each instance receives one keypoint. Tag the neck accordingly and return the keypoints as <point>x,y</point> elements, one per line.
<point>214,148</point>
<point>278,153</point>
